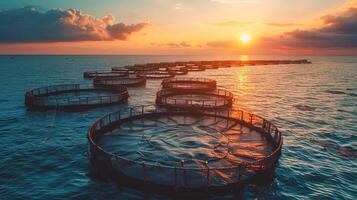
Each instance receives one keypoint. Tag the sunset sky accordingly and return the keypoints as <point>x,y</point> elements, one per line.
<point>308,27</point>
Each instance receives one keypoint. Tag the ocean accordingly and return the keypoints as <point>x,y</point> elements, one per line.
<point>44,154</point>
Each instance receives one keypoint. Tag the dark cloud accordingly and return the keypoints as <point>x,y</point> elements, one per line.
<point>337,31</point>
<point>344,24</point>
<point>182,44</point>
<point>29,24</point>
<point>319,39</point>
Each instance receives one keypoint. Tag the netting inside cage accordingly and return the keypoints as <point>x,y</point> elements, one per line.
<point>74,96</point>
<point>189,149</point>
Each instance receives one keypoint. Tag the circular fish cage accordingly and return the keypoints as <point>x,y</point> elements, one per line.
<point>195,68</point>
<point>217,98</point>
<point>75,96</point>
<point>158,74</point>
<point>210,66</point>
<point>131,81</point>
<point>122,70</point>
<point>104,74</point>
<point>178,70</point>
<point>187,83</point>
<point>183,149</point>
<point>142,67</point>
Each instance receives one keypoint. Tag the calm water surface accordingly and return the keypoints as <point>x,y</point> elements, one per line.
<point>43,154</point>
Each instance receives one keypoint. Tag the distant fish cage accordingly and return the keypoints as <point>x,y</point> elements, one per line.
<point>125,81</point>
<point>142,67</point>
<point>178,70</point>
<point>123,145</point>
<point>122,70</point>
<point>44,98</point>
<point>188,83</point>
<point>217,98</point>
<point>158,74</point>
<point>103,74</point>
<point>195,68</point>
<point>213,66</point>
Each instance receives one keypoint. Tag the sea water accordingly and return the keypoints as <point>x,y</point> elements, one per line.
<point>43,154</point>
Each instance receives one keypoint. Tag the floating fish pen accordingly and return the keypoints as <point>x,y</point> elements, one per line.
<point>122,70</point>
<point>74,96</point>
<point>183,149</point>
<point>213,66</point>
<point>130,81</point>
<point>166,64</point>
<point>178,70</point>
<point>188,83</point>
<point>195,68</point>
<point>158,74</point>
<point>217,98</point>
<point>103,74</point>
<point>142,67</point>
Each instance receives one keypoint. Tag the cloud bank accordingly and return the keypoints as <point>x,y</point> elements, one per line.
<point>29,24</point>
<point>337,31</point>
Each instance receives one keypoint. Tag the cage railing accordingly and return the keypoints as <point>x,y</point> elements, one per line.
<point>179,171</point>
<point>37,97</point>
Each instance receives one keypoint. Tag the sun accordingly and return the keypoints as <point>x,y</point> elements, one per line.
<point>245,38</point>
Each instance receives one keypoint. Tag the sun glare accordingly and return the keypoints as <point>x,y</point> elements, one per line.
<point>245,38</point>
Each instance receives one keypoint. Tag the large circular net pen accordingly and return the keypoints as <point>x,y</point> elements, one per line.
<point>217,98</point>
<point>75,96</point>
<point>188,83</point>
<point>130,81</point>
<point>184,148</point>
<point>104,74</point>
